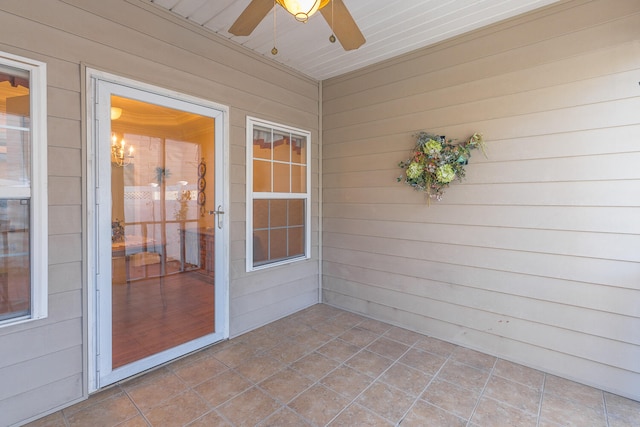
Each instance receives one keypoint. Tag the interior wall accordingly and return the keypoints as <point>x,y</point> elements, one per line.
<point>42,364</point>
<point>535,256</point>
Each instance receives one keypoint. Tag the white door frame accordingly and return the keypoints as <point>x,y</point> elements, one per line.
<point>97,116</point>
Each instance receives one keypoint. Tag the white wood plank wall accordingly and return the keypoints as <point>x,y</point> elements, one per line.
<point>535,257</point>
<point>42,364</point>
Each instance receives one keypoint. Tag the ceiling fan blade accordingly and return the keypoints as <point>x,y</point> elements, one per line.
<point>251,17</point>
<point>344,27</point>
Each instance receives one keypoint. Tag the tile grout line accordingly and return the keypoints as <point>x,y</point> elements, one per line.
<point>233,369</point>
<point>214,408</point>
<point>494,374</point>
<point>137,408</point>
<point>342,363</point>
<point>191,387</point>
<point>289,365</point>
<point>544,383</point>
<point>604,405</point>
<point>435,375</point>
<point>397,360</point>
<point>484,388</point>
<point>353,401</point>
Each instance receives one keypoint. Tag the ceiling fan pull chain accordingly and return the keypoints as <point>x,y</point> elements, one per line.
<point>332,37</point>
<point>274,51</point>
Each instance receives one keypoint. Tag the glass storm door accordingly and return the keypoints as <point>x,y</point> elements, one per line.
<point>159,284</point>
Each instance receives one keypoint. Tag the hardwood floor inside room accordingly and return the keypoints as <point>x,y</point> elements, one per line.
<point>156,313</point>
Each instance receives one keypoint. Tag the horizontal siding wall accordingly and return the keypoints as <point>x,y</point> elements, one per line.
<point>535,256</point>
<point>42,363</point>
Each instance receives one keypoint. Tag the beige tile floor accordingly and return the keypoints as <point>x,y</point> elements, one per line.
<point>327,367</point>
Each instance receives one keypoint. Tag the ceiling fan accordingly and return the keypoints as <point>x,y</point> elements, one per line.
<point>337,16</point>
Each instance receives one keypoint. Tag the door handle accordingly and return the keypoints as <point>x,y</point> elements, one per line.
<point>218,212</point>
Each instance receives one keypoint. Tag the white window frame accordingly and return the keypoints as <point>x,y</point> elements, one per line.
<point>37,192</point>
<point>251,195</point>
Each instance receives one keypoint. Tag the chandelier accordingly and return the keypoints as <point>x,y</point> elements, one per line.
<point>121,155</point>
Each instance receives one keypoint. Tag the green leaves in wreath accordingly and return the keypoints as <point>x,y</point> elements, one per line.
<point>435,162</point>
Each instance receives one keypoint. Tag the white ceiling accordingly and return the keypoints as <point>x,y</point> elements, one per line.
<point>391,28</point>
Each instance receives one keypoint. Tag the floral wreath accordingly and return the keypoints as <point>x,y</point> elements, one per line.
<point>435,162</point>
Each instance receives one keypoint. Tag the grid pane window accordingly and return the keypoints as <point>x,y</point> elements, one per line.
<point>15,274</point>
<point>278,196</point>
<point>15,122</point>
<point>23,263</point>
<point>278,230</point>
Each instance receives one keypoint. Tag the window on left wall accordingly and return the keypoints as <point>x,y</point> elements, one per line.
<point>23,190</point>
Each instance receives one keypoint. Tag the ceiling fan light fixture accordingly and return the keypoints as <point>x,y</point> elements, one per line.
<point>301,9</point>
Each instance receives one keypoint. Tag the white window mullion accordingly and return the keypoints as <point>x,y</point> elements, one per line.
<point>272,160</point>
<point>15,192</point>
